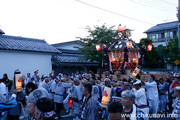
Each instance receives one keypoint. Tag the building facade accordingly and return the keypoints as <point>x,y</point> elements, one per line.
<point>25,54</point>
<point>71,60</point>
<point>162,33</point>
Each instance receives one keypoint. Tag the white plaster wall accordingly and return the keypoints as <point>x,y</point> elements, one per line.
<point>25,62</point>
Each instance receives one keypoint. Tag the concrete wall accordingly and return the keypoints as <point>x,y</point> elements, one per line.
<point>25,62</point>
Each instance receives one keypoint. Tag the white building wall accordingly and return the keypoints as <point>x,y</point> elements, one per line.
<point>26,62</point>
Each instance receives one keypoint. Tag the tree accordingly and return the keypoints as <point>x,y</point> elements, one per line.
<point>153,58</point>
<point>102,35</point>
<point>172,52</point>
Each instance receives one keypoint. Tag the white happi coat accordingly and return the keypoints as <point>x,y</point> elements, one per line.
<point>95,92</point>
<point>59,91</point>
<point>52,86</point>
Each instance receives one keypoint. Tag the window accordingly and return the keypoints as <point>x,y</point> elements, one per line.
<point>162,35</point>
<point>174,34</point>
<point>166,35</point>
<point>171,34</point>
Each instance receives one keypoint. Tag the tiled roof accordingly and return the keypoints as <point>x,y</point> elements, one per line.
<point>163,26</point>
<point>70,42</point>
<point>25,44</point>
<point>1,32</point>
<point>69,51</point>
<point>70,58</point>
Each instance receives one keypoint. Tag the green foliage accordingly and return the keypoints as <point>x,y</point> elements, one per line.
<point>98,35</point>
<point>153,58</point>
<point>172,52</point>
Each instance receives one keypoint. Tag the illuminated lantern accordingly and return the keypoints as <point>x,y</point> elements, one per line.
<point>135,60</point>
<point>18,82</point>
<point>112,59</point>
<point>149,47</point>
<point>129,44</point>
<point>98,47</point>
<point>136,71</point>
<point>120,28</point>
<point>52,74</point>
<point>70,102</point>
<point>106,97</point>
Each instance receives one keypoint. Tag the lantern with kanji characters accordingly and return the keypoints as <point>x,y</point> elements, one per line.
<point>149,47</point>
<point>129,44</point>
<point>70,102</point>
<point>106,97</point>
<point>136,71</point>
<point>18,81</point>
<point>98,47</point>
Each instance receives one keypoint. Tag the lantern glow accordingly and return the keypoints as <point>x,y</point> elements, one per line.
<point>136,71</point>
<point>106,97</point>
<point>70,102</point>
<point>98,47</point>
<point>149,47</point>
<point>129,44</point>
<point>120,28</point>
<point>18,82</point>
<point>112,59</point>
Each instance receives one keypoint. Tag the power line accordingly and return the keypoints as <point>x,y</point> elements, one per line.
<point>160,4</point>
<point>114,12</point>
<point>150,6</point>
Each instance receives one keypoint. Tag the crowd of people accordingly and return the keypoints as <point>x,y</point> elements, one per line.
<point>131,99</point>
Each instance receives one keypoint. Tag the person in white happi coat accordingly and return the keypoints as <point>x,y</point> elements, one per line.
<point>3,91</point>
<point>45,84</point>
<point>95,90</point>
<point>152,95</point>
<point>176,105</point>
<point>77,98</point>
<point>52,85</point>
<point>140,97</point>
<point>59,93</point>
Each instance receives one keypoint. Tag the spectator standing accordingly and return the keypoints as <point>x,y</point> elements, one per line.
<point>90,106</point>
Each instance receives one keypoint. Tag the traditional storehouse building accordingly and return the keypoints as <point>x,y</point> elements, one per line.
<point>25,54</point>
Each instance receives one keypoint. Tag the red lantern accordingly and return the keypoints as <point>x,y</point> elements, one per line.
<point>120,28</point>
<point>70,102</point>
<point>129,44</point>
<point>149,47</point>
<point>98,47</point>
<point>112,59</point>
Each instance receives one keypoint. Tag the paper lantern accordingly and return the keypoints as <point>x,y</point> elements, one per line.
<point>106,97</point>
<point>136,71</point>
<point>18,82</point>
<point>98,47</point>
<point>112,59</point>
<point>149,47</point>
<point>70,102</point>
<point>135,60</point>
<point>129,44</point>
<point>120,28</point>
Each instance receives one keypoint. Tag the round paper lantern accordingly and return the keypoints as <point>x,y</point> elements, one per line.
<point>98,47</point>
<point>120,28</point>
<point>129,44</point>
<point>149,47</point>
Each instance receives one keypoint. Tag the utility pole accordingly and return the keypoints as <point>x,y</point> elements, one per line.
<point>178,15</point>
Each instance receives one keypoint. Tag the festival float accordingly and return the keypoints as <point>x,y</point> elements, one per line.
<point>124,55</point>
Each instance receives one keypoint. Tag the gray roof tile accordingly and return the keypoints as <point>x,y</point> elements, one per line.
<point>25,44</point>
<point>163,26</point>
<point>70,58</point>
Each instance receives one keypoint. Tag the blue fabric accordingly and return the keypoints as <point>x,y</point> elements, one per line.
<point>5,106</point>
